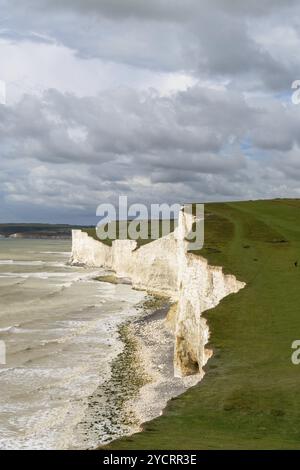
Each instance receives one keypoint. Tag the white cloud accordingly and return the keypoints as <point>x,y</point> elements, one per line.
<point>162,101</point>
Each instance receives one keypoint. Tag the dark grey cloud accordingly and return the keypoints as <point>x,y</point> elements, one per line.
<point>159,9</point>
<point>202,38</point>
<point>126,126</point>
<point>74,152</point>
<point>232,134</point>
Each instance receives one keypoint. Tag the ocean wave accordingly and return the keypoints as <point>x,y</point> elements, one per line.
<point>21,262</point>
<point>62,253</point>
<point>48,274</point>
<point>61,344</point>
<point>73,329</point>
<point>68,329</point>
<point>48,424</point>
<point>8,329</point>
<point>12,262</point>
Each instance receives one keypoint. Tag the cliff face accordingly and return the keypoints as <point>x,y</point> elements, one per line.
<point>165,267</point>
<point>152,267</point>
<point>86,250</point>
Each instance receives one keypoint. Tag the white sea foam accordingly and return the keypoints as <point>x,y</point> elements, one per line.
<point>60,327</point>
<point>8,262</point>
<point>48,274</point>
<point>8,328</point>
<point>58,253</point>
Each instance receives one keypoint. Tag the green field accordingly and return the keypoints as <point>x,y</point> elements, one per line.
<point>250,396</point>
<point>122,226</point>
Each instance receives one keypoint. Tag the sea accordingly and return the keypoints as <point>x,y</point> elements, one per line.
<point>59,327</point>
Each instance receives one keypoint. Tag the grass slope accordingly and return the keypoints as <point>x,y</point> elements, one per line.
<point>249,397</point>
<point>122,226</point>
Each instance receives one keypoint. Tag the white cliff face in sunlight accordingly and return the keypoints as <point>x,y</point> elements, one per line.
<point>166,268</point>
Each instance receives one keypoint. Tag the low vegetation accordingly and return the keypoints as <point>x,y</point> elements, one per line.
<point>249,397</point>
<point>122,226</point>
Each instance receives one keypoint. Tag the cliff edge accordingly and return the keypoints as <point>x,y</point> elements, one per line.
<point>165,267</point>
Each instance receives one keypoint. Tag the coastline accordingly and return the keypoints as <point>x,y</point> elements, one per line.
<point>142,379</point>
<point>156,349</point>
<point>171,352</point>
<point>61,341</point>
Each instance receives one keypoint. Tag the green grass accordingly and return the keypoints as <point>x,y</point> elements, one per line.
<point>249,397</point>
<point>123,226</point>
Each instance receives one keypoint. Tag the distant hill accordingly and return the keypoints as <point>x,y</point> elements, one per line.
<point>38,230</point>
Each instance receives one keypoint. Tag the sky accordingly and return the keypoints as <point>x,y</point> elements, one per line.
<point>167,101</point>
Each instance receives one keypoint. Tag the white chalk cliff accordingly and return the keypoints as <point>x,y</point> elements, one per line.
<point>165,267</point>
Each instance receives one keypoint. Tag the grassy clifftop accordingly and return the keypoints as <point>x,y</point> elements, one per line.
<point>249,398</point>
<point>122,226</point>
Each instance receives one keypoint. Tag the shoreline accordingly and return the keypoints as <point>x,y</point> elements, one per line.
<point>173,361</point>
<point>142,380</point>
<point>156,348</point>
